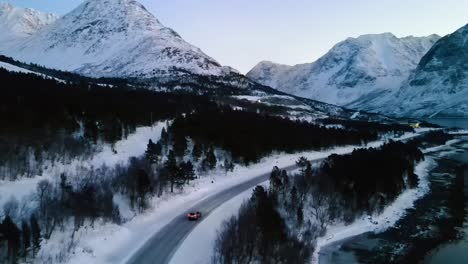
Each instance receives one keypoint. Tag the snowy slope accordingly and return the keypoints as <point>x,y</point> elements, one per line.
<point>13,68</point>
<point>440,84</point>
<point>113,38</point>
<point>16,24</point>
<point>351,70</point>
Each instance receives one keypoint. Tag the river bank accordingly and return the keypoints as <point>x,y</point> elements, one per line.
<point>435,220</point>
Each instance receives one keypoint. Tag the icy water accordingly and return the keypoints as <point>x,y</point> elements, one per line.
<point>457,251</point>
<point>434,232</point>
<point>450,122</point>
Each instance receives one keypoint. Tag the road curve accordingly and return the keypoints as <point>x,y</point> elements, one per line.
<point>160,248</point>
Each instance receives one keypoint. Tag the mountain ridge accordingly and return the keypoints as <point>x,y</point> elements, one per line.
<point>114,38</point>
<point>352,69</point>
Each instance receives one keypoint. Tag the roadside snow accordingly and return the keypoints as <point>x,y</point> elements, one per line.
<point>198,246</point>
<point>115,244</point>
<point>169,207</point>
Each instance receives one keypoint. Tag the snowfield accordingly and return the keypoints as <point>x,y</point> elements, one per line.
<point>14,68</point>
<point>134,145</point>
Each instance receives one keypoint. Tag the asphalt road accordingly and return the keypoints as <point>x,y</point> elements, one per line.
<point>160,248</point>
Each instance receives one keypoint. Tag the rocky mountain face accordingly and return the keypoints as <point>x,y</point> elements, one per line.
<point>357,68</point>
<point>17,24</point>
<point>439,86</point>
<point>114,38</point>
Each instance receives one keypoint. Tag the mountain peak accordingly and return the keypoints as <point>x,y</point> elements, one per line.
<point>5,8</point>
<point>20,23</point>
<point>114,38</point>
<point>353,69</point>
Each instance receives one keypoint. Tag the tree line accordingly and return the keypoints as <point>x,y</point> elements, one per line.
<point>249,136</point>
<point>299,208</point>
<point>47,120</point>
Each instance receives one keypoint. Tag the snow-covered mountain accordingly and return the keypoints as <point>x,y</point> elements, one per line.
<point>439,85</point>
<point>114,38</point>
<point>16,24</point>
<point>353,69</point>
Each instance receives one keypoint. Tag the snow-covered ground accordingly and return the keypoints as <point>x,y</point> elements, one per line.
<point>134,145</point>
<point>110,243</point>
<point>201,252</point>
<point>128,238</point>
<point>198,246</point>
<point>114,244</point>
<point>393,212</point>
<point>459,132</point>
<point>13,68</point>
<point>379,223</point>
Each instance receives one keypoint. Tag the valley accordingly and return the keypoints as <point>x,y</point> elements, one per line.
<point>123,142</point>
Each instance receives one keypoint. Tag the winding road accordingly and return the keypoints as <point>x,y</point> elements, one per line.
<point>160,248</point>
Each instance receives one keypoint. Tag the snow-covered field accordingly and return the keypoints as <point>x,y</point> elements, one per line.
<point>13,68</point>
<point>134,145</point>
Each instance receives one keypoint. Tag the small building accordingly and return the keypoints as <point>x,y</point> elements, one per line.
<point>415,125</point>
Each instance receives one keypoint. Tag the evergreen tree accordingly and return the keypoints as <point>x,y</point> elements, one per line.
<point>158,149</point>
<point>151,153</point>
<point>26,231</point>
<point>210,161</point>
<point>35,235</point>
<point>302,163</point>
<point>13,237</point>
<point>294,198</point>
<point>275,180</point>
<point>164,137</point>
<point>197,151</point>
<point>180,146</point>
<point>187,171</point>
<point>171,171</point>
<point>300,215</point>
<point>228,165</point>
<point>143,187</point>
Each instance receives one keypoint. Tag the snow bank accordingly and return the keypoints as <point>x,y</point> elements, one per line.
<point>379,223</point>
<point>198,246</point>
<point>459,132</point>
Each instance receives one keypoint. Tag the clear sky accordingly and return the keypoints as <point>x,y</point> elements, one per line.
<point>240,33</point>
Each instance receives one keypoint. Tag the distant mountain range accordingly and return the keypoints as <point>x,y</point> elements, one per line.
<point>352,70</point>
<point>18,24</point>
<point>121,39</point>
<point>410,76</point>
<point>439,86</point>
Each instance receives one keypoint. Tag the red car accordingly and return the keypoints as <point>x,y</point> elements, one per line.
<point>194,216</point>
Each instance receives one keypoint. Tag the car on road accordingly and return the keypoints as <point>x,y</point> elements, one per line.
<point>194,216</point>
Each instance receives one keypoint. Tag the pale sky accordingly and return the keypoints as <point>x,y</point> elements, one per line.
<point>240,33</point>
